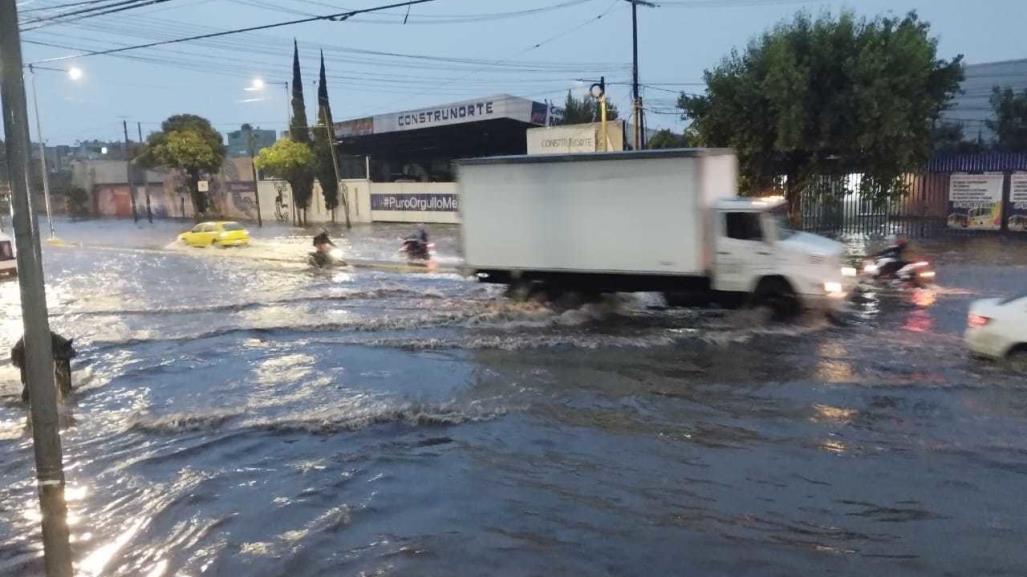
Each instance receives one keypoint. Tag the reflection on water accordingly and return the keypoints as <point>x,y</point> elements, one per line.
<point>239,416</point>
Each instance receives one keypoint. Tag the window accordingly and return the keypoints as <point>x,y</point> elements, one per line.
<point>744,226</point>
<point>198,228</point>
<point>231,226</point>
<point>780,216</point>
<point>206,228</point>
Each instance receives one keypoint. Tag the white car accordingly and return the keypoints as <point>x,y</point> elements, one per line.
<point>997,329</point>
<point>8,263</point>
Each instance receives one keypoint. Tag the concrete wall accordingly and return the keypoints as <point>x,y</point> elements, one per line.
<point>433,202</point>
<point>357,193</point>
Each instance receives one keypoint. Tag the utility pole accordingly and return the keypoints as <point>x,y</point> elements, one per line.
<point>639,111</point>
<point>146,184</point>
<point>251,145</point>
<point>335,166</point>
<point>128,173</point>
<point>42,151</point>
<point>39,368</point>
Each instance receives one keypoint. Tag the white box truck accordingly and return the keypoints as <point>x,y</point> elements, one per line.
<point>665,220</point>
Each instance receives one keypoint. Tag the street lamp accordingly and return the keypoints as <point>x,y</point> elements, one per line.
<point>75,74</point>
<point>258,84</point>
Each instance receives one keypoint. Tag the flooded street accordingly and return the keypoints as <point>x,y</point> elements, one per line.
<point>237,413</point>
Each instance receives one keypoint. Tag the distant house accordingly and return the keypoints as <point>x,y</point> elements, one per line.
<point>971,108</point>
<point>239,141</point>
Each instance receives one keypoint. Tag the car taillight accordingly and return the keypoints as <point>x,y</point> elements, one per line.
<point>977,321</point>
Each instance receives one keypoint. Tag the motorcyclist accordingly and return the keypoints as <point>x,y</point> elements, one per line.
<point>416,245</point>
<point>322,256</point>
<point>896,255</point>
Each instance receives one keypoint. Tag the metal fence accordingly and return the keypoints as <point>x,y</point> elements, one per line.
<point>833,206</point>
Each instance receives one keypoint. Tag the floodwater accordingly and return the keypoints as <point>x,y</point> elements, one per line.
<point>240,414</point>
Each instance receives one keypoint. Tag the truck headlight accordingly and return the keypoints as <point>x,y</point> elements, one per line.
<point>849,271</point>
<point>833,288</point>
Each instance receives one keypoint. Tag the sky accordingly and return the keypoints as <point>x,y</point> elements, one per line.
<point>448,50</point>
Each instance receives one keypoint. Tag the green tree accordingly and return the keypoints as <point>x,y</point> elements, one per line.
<point>1010,123</point>
<point>949,138</point>
<point>585,109</point>
<point>299,132</point>
<point>827,95</point>
<point>324,137</point>
<point>187,142</point>
<point>289,160</point>
<point>667,138</point>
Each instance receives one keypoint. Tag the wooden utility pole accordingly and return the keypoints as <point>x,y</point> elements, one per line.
<point>39,367</point>
<point>128,173</point>
<point>335,167</point>
<point>146,184</point>
<point>639,111</point>
<point>251,145</point>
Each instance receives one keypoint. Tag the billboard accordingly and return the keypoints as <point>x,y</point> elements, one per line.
<point>1017,213</point>
<point>975,201</point>
<point>414,202</point>
<point>355,127</point>
<point>575,138</point>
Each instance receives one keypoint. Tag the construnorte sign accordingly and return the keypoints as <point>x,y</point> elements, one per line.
<point>500,106</point>
<point>415,202</point>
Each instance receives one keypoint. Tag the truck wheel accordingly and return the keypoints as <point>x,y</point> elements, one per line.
<point>779,297</point>
<point>524,291</point>
<point>570,300</point>
<point>1017,359</point>
<point>518,292</point>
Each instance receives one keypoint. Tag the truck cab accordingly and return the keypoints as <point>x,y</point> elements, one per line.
<point>8,262</point>
<point>758,254</point>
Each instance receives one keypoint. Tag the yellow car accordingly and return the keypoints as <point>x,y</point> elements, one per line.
<point>216,234</point>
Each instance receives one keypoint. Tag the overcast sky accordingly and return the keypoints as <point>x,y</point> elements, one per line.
<point>449,50</point>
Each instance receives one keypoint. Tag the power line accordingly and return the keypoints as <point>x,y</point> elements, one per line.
<point>59,6</point>
<point>108,6</point>
<point>102,11</point>
<point>337,17</point>
<point>535,46</point>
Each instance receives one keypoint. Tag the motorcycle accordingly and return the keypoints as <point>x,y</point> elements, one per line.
<point>324,260</point>
<point>416,249</point>
<point>882,268</point>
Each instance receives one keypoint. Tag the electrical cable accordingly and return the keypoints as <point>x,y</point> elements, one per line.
<point>337,17</point>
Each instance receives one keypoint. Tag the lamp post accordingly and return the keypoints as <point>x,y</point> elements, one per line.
<point>598,91</point>
<point>259,85</point>
<point>76,75</point>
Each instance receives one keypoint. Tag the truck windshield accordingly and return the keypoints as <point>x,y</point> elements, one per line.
<point>780,217</point>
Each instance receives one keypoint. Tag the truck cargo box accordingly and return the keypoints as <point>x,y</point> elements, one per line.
<point>636,213</point>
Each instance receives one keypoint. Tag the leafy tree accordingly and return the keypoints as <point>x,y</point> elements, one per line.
<point>76,199</point>
<point>949,138</point>
<point>828,95</point>
<point>585,109</point>
<point>324,136</point>
<point>187,142</point>
<point>299,132</point>
<point>289,160</point>
<point>1010,123</point>
<point>667,138</point>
